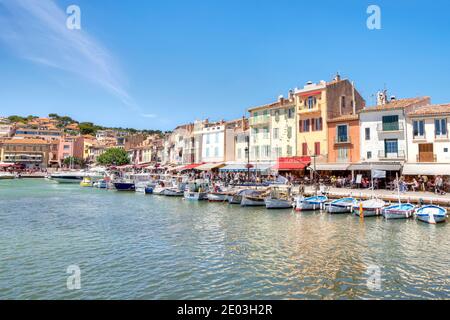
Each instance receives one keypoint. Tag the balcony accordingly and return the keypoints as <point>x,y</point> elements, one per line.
<point>342,140</point>
<point>305,110</point>
<point>426,157</point>
<point>419,137</point>
<point>399,155</point>
<point>391,127</point>
<point>260,120</point>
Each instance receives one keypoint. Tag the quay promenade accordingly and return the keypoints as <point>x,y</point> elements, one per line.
<point>386,195</point>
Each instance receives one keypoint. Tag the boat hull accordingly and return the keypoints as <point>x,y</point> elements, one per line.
<point>195,196</point>
<point>430,220</point>
<point>217,197</point>
<point>367,212</point>
<point>278,204</point>
<point>148,190</point>
<point>247,202</point>
<point>173,193</point>
<point>124,186</point>
<point>236,199</point>
<point>431,214</point>
<point>67,180</point>
<point>336,209</point>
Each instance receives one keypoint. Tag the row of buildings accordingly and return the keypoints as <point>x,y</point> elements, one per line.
<point>41,143</point>
<point>325,122</point>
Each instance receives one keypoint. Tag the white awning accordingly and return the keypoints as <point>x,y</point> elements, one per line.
<point>209,166</point>
<point>428,169</point>
<point>330,166</point>
<point>388,166</point>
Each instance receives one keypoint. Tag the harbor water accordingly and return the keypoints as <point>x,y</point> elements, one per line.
<point>133,246</point>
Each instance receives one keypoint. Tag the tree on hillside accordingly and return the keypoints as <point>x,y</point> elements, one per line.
<point>17,119</point>
<point>114,157</point>
<point>88,128</point>
<point>53,116</point>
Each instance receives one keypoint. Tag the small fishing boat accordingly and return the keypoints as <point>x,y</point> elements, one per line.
<point>217,196</point>
<point>124,186</point>
<point>6,176</point>
<point>431,214</point>
<point>310,204</point>
<point>252,198</point>
<point>235,198</point>
<point>195,196</point>
<point>344,205</point>
<point>159,191</point>
<point>399,211</point>
<point>276,203</point>
<point>173,192</point>
<point>101,184</point>
<point>148,190</point>
<point>369,208</point>
<point>86,182</point>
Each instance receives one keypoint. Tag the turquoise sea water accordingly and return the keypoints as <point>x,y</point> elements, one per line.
<point>132,246</point>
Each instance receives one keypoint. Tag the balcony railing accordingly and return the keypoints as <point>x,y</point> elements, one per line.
<point>426,158</point>
<point>390,127</point>
<point>306,109</point>
<point>383,155</point>
<point>259,120</point>
<point>342,140</point>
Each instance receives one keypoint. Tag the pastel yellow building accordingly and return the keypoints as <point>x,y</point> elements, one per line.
<point>273,130</point>
<point>316,104</point>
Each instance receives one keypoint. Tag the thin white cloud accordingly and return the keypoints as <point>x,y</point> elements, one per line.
<point>36,30</point>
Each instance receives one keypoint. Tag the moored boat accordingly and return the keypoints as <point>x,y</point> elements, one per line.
<point>399,211</point>
<point>148,190</point>
<point>276,203</point>
<point>195,196</point>
<point>173,192</point>
<point>159,190</point>
<point>431,214</point>
<point>101,184</point>
<point>252,201</point>
<point>310,204</point>
<point>124,186</point>
<point>344,205</point>
<point>369,208</point>
<point>86,182</point>
<point>217,197</point>
<point>6,176</point>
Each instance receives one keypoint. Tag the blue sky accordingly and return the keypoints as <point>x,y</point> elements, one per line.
<point>158,64</point>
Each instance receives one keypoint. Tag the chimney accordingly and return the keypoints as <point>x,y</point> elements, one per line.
<point>281,99</point>
<point>393,98</point>
<point>337,77</point>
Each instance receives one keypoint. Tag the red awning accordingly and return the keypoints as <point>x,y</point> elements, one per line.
<point>310,93</point>
<point>6,165</point>
<point>292,163</point>
<point>191,166</point>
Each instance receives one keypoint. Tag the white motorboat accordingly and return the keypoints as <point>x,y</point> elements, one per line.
<point>311,203</point>
<point>195,196</point>
<point>344,205</point>
<point>273,203</point>
<point>6,176</point>
<point>173,192</point>
<point>217,196</point>
<point>369,208</point>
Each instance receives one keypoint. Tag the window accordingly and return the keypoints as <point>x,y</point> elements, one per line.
<point>217,137</point>
<point>445,150</point>
<point>66,147</point>
<point>391,146</point>
<point>304,149</point>
<point>390,123</point>
<point>255,114</point>
<point>277,152</point>
<point>367,134</point>
<point>369,155</point>
<point>289,151</point>
<point>256,152</point>
<point>255,130</point>
<point>311,102</point>
<point>276,133</point>
<point>239,153</point>
<point>440,126</point>
<point>305,127</point>
<point>289,132</point>
<point>207,152</point>
<point>343,154</point>
<point>277,115</point>
<point>216,151</point>
<point>418,128</point>
<point>342,103</point>
<point>266,151</point>
<point>291,113</point>
<point>342,133</point>
<point>207,139</point>
<point>317,148</point>
<point>266,132</point>
<point>316,124</point>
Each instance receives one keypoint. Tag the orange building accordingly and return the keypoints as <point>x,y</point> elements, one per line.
<point>344,140</point>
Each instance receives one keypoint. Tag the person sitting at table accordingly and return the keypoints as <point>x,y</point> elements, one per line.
<point>415,185</point>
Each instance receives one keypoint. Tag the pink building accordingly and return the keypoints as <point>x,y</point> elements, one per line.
<point>70,146</point>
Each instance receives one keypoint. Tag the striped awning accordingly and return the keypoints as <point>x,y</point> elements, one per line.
<point>237,167</point>
<point>375,166</point>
